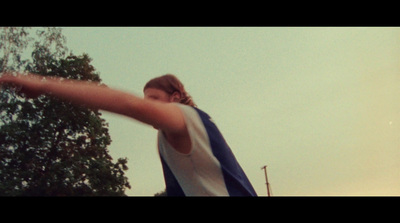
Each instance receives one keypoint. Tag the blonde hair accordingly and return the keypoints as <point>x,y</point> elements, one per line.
<point>170,84</point>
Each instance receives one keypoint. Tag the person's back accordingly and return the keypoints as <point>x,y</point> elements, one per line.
<point>209,169</point>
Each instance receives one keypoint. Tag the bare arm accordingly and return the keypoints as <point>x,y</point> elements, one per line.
<point>165,116</point>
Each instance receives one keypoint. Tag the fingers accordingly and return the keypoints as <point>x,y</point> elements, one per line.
<point>19,78</point>
<point>27,84</point>
<point>8,82</point>
<point>6,78</point>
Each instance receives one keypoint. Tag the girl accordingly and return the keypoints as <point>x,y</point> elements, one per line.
<point>195,158</point>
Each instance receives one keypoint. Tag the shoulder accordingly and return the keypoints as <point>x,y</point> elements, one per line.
<point>193,114</point>
<point>190,110</point>
<point>196,120</point>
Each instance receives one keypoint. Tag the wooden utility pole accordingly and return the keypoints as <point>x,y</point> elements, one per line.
<point>266,180</point>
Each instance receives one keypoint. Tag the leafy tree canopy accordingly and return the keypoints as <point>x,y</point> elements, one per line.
<point>49,147</point>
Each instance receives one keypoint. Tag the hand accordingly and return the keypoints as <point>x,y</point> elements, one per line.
<point>29,84</point>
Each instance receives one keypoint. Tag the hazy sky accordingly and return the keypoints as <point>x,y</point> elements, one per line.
<point>319,106</point>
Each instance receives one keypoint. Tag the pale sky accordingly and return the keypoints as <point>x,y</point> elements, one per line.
<point>318,105</point>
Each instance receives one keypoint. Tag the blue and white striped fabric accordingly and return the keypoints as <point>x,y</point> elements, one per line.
<point>210,168</point>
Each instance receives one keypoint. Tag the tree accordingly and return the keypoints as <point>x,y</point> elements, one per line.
<point>13,41</point>
<point>49,147</point>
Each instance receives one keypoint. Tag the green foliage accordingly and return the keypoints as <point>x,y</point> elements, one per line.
<point>13,41</point>
<point>49,147</point>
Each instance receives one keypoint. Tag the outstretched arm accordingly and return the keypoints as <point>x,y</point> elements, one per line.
<point>164,116</point>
